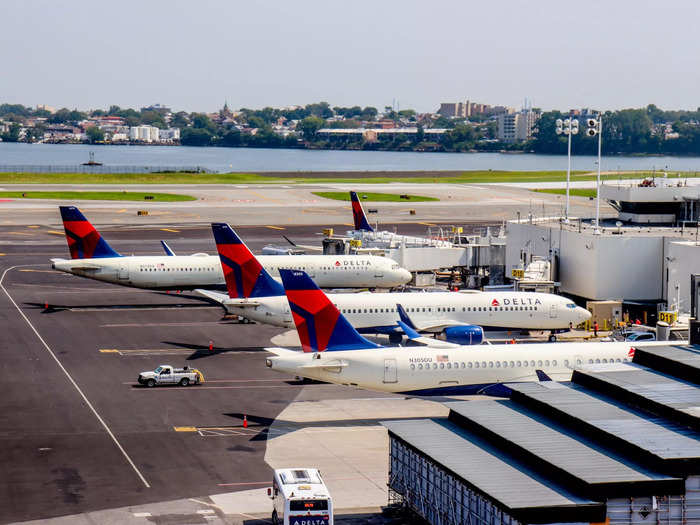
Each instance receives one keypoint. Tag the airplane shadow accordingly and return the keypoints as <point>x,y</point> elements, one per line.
<point>202,351</point>
<point>266,428</point>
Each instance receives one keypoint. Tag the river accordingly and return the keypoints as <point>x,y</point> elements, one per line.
<point>291,160</point>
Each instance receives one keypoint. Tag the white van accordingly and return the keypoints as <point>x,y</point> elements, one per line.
<point>299,497</point>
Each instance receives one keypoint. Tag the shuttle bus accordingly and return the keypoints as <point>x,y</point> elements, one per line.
<point>299,497</point>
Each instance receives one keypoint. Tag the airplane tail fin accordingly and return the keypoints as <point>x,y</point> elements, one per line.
<point>84,241</point>
<point>358,214</point>
<point>245,276</point>
<point>320,324</point>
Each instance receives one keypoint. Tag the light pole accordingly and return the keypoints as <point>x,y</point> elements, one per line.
<point>595,127</point>
<point>568,126</point>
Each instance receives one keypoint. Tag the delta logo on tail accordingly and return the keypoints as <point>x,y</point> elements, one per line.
<point>244,275</point>
<point>320,325</point>
<point>358,214</point>
<point>84,241</point>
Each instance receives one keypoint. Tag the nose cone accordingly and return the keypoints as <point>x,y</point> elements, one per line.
<point>404,275</point>
<point>583,314</point>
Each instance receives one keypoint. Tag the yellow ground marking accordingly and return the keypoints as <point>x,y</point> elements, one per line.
<point>55,232</point>
<point>348,224</point>
<point>170,230</point>
<point>427,224</point>
<point>185,429</point>
<point>20,233</point>
<point>275,227</point>
<point>33,226</point>
<point>109,351</point>
<point>1,254</point>
<point>121,211</point>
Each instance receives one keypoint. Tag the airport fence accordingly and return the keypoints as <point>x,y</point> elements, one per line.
<point>82,168</point>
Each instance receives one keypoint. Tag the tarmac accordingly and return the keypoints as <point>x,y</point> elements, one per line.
<point>81,442</point>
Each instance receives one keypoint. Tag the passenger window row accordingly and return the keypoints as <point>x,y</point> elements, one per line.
<point>504,364</point>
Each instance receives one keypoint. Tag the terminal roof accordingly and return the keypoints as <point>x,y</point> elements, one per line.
<point>666,446</point>
<point>680,361</point>
<point>515,488</point>
<point>577,462</point>
<point>653,391</point>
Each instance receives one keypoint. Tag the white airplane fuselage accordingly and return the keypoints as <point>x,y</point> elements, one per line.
<point>201,270</point>
<point>466,369</point>
<point>430,312</point>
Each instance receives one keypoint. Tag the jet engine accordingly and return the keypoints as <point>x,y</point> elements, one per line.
<point>464,335</point>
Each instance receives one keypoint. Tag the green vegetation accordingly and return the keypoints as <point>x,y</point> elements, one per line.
<point>96,195</point>
<point>456,177</point>
<point>577,192</point>
<point>373,197</point>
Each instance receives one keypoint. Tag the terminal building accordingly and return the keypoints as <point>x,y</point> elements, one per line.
<point>644,257</point>
<point>620,444</point>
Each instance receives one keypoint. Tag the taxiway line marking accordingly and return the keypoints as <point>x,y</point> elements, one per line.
<point>185,429</point>
<point>72,381</point>
<point>170,230</point>
<point>427,224</point>
<point>32,226</point>
<point>55,232</point>
<point>121,211</point>
<point>109,351</point>
<point>20,233</point>
<point>243,483</point>
<point>275,227</point>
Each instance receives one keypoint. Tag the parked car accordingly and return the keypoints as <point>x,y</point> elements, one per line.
<point>640,336</point>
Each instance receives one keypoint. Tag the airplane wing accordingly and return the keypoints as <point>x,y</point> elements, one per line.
<point>422,340</point>
<point>225,300</point>
<point>304,246</point>
<point>280,351</point>
<point>438,327</point>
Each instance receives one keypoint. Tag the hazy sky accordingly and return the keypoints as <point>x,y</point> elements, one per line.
<point>194,55</point>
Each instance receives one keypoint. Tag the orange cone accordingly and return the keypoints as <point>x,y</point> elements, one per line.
<point>245,421</point>
<point>211,346</point>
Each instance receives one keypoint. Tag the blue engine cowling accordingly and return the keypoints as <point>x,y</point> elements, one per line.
<point>464,335</point>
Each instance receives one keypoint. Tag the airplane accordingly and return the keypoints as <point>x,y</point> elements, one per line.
<point>334,352</point>
<point>457,317</point>
<point>94,258</point>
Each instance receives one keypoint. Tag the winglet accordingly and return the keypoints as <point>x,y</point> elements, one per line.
<point>358,214</point>
<point>319,323</point>
<point>84,241</point>
<point>167,249</point>
<point>541,376</point>
<point>245,277</point>
<point>404,316</point>
<point>410,332</point>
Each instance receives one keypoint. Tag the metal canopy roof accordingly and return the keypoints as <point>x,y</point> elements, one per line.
<point>679,361</point>
<point>668,447</point>
<point>518,490</point>
<point>558,453</point>
<point>650,390</point>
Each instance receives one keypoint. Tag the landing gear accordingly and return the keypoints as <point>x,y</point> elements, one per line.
<point>395,338</point>
<point>552,338</point>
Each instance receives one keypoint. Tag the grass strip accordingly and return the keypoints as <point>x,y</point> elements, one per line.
<point>97,196</point>
<point>348,177</point>
<point>575,192</point>
<point>374,197</point>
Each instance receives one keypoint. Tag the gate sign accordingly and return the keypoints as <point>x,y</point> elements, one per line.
<point>518,273</point>
<point>668,317</point>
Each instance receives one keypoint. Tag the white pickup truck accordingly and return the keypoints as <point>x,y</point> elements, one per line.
<point>169,375</point>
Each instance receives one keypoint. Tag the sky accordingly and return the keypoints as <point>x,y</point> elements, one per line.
<point>194,55</point>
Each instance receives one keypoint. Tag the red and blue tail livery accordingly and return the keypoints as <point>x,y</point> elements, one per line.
<point>245,277</point>
<point>84,241</point>
<point>358,214</point>
<point>320,325</point>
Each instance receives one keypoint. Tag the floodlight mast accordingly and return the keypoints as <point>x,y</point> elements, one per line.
<point>569,126</point>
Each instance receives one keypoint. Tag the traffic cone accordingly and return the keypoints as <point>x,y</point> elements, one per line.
<point>46,305</point>
<point>245,421</point>
<point>211,346</point>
